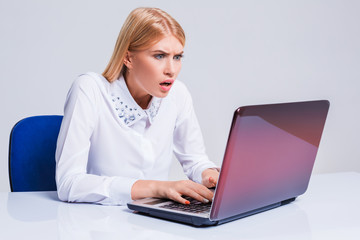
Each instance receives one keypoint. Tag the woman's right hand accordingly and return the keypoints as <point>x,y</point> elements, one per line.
<point>174,190</point>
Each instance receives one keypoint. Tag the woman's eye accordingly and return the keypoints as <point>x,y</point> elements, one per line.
<point>159,56</point>
<point>178,57</point>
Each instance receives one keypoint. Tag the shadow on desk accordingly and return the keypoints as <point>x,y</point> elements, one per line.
<point>278,223</point>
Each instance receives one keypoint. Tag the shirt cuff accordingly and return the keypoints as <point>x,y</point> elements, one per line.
<point>120,190</point>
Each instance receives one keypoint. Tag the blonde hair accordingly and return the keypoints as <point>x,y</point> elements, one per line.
<point>143,28</point>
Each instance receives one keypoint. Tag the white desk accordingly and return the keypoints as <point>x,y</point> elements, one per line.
<point>328,210</point>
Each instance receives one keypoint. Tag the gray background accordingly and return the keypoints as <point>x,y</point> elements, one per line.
<point>237,53</point>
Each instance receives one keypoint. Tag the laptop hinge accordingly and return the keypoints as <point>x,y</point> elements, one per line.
<point>288,201</point>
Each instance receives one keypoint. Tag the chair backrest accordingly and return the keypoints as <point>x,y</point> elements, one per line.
<point>32,153</point>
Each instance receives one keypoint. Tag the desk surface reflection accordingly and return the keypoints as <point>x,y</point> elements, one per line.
<point>328,210</point>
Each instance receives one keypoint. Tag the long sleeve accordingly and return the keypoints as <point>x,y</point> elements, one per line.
<point>74,184</point>
<point>107,142</point>
<point>189,146</point>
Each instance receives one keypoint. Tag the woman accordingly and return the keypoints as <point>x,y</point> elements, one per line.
<point>121,128</point>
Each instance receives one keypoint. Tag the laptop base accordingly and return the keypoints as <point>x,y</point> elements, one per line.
<point>177,217</point>
<point>199,221</point>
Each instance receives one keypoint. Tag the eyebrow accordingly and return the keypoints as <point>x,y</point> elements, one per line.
<point>166,53</point>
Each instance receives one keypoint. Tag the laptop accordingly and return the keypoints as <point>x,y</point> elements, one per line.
<point>268,162</point>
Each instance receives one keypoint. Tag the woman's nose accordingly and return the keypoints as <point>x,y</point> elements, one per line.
<point>169,69</point>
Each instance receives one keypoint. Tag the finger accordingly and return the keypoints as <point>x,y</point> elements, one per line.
<point>179,199</point>
<point>206,182</point>
<point>193,190</point>
<point>212,181</point>
<point>209,182</point>
<point>197,197</point>
<point>201,193</point>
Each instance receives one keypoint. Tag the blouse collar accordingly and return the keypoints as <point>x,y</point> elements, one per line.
<point>126,107</point>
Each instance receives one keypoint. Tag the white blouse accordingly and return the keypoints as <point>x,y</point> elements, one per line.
<point>107,142</point>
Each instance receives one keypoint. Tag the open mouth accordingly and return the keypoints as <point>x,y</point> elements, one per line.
<point>165,83</point>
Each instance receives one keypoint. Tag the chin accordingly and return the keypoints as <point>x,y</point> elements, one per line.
<point>162,94</point>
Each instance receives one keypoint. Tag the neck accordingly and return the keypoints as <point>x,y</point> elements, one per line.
<point>141,98</point>
<point>144,101</point>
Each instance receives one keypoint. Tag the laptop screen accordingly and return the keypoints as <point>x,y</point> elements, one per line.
<point>269,156</point>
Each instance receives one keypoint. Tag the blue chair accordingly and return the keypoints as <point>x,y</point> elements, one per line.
<point>32,153</point>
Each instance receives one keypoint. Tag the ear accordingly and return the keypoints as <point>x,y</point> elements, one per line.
<point>128,60</point>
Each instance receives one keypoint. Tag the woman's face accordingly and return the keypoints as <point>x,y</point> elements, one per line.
<point>152,72</point>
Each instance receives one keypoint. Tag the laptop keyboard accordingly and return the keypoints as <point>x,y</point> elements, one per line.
<point>194,207</point>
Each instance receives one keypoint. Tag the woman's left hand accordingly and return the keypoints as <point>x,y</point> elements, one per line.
<point>210,177</point>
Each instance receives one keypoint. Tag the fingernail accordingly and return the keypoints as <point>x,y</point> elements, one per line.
<point>187,202</point>
<point>205,200</point>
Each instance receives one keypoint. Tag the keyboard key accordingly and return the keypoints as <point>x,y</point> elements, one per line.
<point>194,206</point>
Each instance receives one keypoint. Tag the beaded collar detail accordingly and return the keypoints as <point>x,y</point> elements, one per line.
<point>127,109</point>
